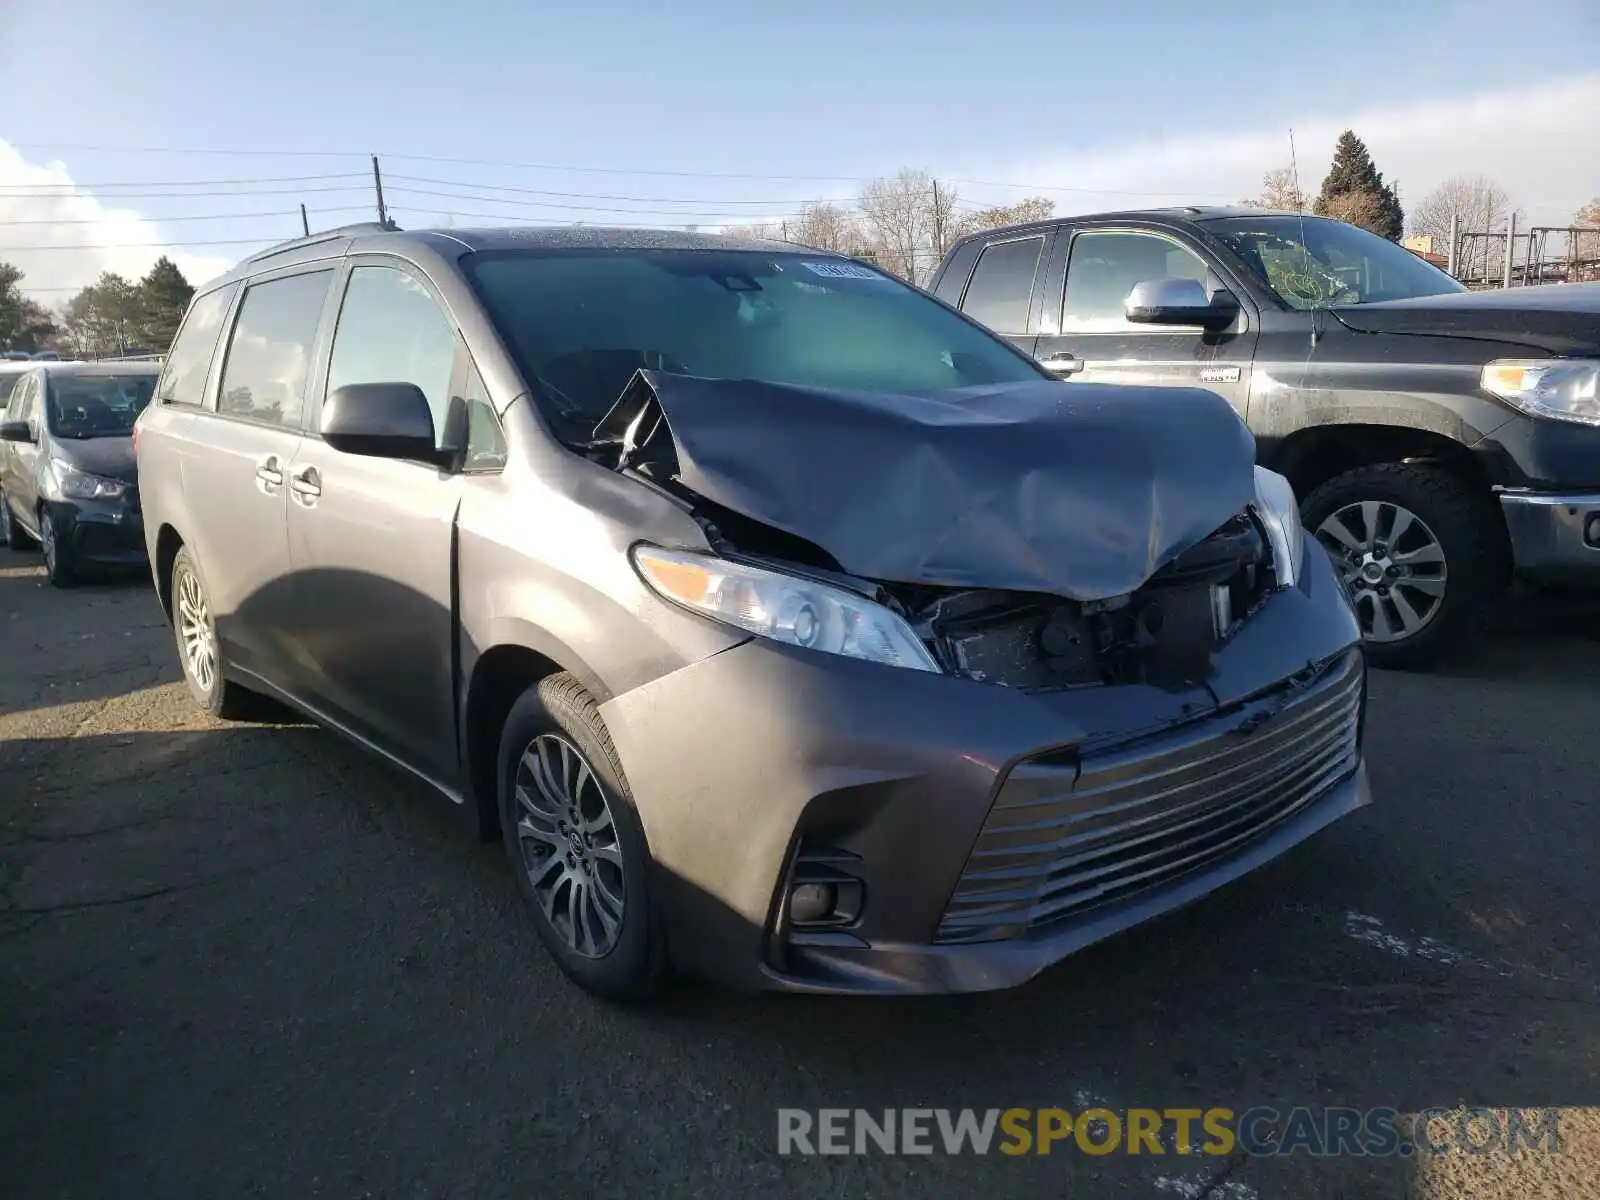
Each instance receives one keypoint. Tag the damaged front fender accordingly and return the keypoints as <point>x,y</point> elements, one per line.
<point>1079,490</point>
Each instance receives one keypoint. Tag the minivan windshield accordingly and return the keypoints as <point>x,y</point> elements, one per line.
<point>95,406</point>
<point>581,321</point>
<point>1313,262</point>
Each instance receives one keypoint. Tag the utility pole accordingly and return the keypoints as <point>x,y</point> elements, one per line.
<point>305,225</point>
<point>1455,239</point>
<point>938,222</point>
<point>377,186</point>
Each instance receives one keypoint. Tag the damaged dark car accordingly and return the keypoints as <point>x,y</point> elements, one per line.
<point>791,629</point>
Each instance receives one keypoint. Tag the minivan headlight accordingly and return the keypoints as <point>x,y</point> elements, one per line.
<point>1280,513</point>
<point>80,485</point>
<point>785,608</point>
<point>1563,389</point>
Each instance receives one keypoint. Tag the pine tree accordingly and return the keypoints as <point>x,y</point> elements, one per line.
<point>1355,186</point>
<point>164,295</point>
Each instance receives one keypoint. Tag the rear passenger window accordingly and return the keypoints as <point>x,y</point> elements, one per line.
<point>189,361</point>
<point>391,331</point>
<point>1002,286</point>
<point>264,375</point>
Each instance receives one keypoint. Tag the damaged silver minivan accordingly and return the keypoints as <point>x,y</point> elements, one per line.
<point>790,628</point>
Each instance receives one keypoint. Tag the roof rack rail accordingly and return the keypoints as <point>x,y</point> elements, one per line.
<point>325,235</point>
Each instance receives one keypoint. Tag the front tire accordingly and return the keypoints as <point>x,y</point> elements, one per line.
<point>575,841</point>
<point>1422,552</point>
<point>58,561</point>
<point>199,652</point>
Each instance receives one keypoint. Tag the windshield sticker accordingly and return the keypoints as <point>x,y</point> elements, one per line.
<point>841,270</point>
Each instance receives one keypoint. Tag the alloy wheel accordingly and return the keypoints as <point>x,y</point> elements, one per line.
<point>195,632</point>
<point>1392,565</point>
<point>569,844</point>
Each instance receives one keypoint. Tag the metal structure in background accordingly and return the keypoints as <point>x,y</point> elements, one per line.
<point>1513,258</point>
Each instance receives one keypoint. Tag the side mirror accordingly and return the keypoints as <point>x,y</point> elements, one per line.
<point>1180,302</point>
<point>380,420</point>
<point>16,431</point>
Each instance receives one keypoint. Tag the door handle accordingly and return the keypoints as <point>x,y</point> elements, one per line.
<point>268,472</point>
<point>306,483</point>
<point>1062,363</point>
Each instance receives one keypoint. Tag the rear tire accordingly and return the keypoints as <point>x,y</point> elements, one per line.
<point>10,532</point>
<point>199,652</point>
<point>1423,553</point>
<point>576,844</point>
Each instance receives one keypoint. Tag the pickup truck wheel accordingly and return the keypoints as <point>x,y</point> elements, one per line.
<point>576,845</point>
<point>1421,552</point>
<point>199,652</point>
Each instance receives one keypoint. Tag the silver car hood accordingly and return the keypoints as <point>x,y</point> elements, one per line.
<point>1075,489</point>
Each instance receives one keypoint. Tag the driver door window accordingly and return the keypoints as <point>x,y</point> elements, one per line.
<point>1103,268</point>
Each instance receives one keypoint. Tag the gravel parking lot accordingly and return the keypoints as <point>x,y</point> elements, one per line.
<point>249,960</point>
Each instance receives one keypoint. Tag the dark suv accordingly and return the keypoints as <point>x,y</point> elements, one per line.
<point>1440,440</point>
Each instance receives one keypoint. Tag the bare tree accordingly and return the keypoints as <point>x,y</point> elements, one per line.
<point>1278,191</point>
<point>826,226</point>
<point>1034,208</point>
<point>1587,246</point>
<point>1478,204</point>
<point>907,220</point>
<point>1365,209</point>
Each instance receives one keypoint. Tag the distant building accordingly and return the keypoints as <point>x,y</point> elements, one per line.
<point>1421,244</point>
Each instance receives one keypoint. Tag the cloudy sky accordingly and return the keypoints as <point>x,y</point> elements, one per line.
<point>198,131</point>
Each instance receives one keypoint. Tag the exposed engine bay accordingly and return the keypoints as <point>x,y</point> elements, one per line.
<point>1161,629</point>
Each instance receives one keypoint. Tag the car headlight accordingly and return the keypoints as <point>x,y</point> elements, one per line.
<point>80,485</point>
<point>1563,389</point>
<point>785,608</point>
<point>1280,513</point>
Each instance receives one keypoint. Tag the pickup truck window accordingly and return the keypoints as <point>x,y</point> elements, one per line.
<point>1002,286</point>
<point>1312,262</point>
<point>1103,268</point>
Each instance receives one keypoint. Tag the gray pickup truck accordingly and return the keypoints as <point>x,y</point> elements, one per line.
<point>1442,441</point>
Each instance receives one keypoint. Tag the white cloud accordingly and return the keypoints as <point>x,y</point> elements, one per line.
<point>62,216</point>
<point>1536,141</point>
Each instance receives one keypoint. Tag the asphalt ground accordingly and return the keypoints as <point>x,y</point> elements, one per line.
<point>249,960</point>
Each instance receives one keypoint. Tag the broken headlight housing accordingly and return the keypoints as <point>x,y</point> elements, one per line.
<point>786,608</point>
<point>1563,389</point>
<point>1280,513</point>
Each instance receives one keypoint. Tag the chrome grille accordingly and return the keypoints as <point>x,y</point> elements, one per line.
<point>1065,836</point>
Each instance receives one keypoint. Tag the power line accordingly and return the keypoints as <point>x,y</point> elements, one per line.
<point>255,241</point>
<point>188,217</point>
<point>293,191</point>
<point>495,187</point>
<point>527,166</point>
<point>192,182</point>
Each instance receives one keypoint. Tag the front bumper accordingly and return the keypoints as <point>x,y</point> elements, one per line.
<point>106,533</point>
<point>762,761</point>
<point>1555,536</point>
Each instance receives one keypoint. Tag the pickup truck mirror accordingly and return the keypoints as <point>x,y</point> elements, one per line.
<point>380,420</point>
<point>16,431</point>
<point>1180,302</point>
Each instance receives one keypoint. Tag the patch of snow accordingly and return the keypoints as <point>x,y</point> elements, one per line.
<point>1194,1187</point>
<point>1369,930</point>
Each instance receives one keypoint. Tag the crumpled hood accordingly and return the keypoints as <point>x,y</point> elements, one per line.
<point>1558,318</point>
<point>1075,489</point>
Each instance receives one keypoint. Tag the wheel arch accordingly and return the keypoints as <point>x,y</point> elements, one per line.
<point>1313,456</point>
<point>519,656</point>
<point>168,543</point>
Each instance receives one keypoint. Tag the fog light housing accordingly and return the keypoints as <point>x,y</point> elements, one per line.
<point>1591,532</point>
<point>812,902</point>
